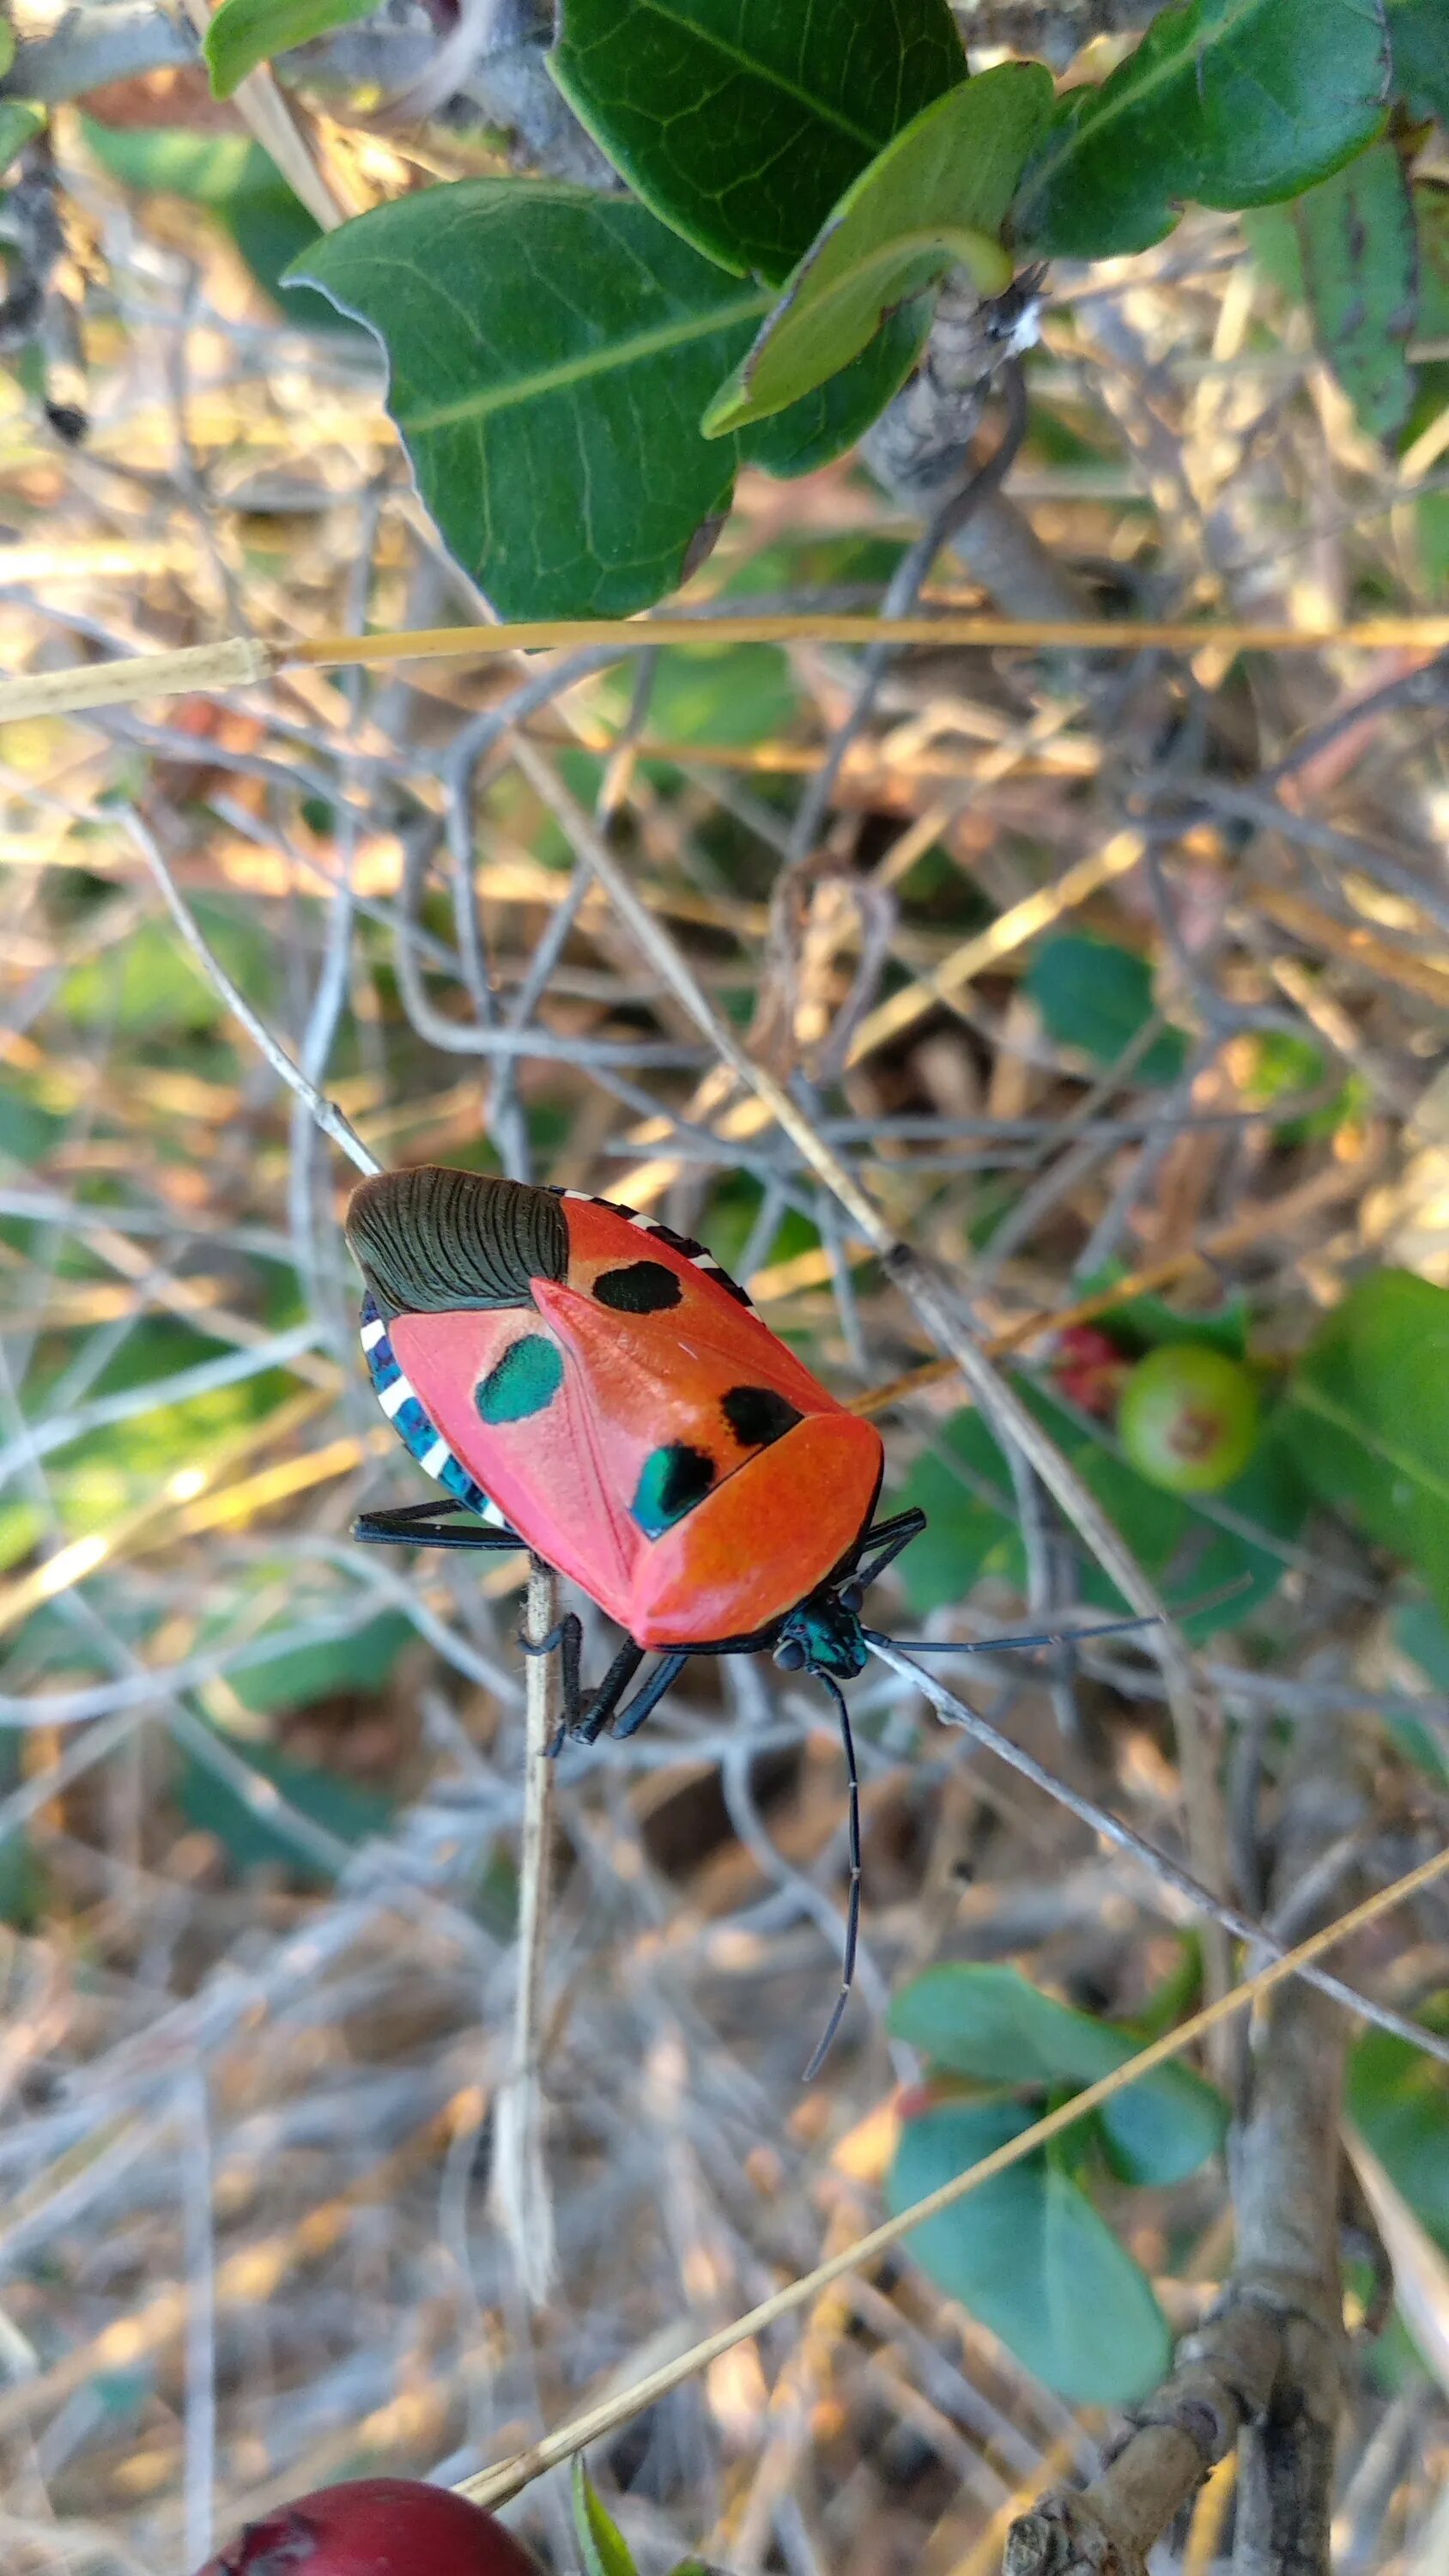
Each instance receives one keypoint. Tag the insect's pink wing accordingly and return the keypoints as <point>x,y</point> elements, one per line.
<point>514,1408</point>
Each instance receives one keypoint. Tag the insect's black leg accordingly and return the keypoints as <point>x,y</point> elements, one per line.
<point>568,1637</point>
<point>883,1544</point>
<point>591,1722</point>
<point>646,1700</point>
<point>421,1525</point>
<point>852,1909</point>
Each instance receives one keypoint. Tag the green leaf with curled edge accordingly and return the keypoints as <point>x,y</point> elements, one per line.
<point>246,33</point>
<point>990,2022</point>
<point>742,121</point>
<point>1028,2254</point>
<point>1225,103</point>
<point>1360,274</point>
<point>936,198</point>
<point>550,351</point>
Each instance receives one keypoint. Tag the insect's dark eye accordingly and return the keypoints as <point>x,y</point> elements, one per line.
<point>851,1596</point>
<point>790,1655</point>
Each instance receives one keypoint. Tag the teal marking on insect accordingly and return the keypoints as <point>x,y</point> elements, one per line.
<point>525,1381</point>
<point>671,1482</point>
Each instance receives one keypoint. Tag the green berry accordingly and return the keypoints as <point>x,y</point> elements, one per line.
<point>1188,1418</point>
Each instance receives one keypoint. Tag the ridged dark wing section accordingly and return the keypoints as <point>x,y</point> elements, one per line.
<point>430,1240</point>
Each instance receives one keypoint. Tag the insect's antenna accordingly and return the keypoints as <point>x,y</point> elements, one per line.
<point>852,1909</point>
<point>999,1645</point>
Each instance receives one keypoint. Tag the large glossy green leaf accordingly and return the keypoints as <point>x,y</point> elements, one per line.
<point>549,353</point>
<point>1228,102</point>
<point>1360,272</point>
<point>1369,1417</point>
<point>741,121</point>
<point>1200,1552</point>
<point>244,33</point>
<point>934,199</point>
<point>1419,36</point>
<point>1098,996</point>
<point>1029,2255</point>
<point>992,2023</point>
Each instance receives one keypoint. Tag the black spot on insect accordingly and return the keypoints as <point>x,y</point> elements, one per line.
<point>640,1288</point>
<point>757,1415</point>
<point>671,1481</point>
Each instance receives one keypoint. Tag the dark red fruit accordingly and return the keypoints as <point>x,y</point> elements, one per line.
<point>1089,1369</point>
<point>375,2527</point>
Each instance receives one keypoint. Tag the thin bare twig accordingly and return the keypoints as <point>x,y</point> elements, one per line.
<point>519,2191</point>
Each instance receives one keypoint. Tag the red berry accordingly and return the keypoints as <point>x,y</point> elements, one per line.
<point>1089,1369</point>
<point>375,2527</point>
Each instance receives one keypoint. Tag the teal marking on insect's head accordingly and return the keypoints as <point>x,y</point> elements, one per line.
<point>524,1381</point>
<point>825,1635</point>
<point>671,1481</point>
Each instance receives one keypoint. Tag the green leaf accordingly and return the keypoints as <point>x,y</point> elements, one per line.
<point>1399,2098</point>
<point>934,199</point>
<point>741,122</point>
<point>993,2024</point>
<point>20,122</point>
<point>1361,273</point>
<point>1192,1549</point>
<point>1421,1634</point>
<point>1228,102</point>
<point>554,434</point>
<point>238,183</point>
<point>243,1825</point>
<point>602,2545</point>
<point>299,1676</point>
<point>244,33</point>
<point>1431,220</point>
<point>552,430</point>
<point>735,693</point>
<point>1419,37</point>
<point>963,1486</point>
<point>1143,1323</point>
<point>1369,1418</point>
<point>831,417</point>
<point>1029,2255</point>
<point>1097,996</point>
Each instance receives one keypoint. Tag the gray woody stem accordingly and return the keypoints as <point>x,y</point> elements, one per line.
<point>519,2190</point>
<point>1266,2370</point>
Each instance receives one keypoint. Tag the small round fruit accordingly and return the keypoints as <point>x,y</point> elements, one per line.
<point>1089,1369</point>
<point>375,2527</point>
<point>1189,1417</point>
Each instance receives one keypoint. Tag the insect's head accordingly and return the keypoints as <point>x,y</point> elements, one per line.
<point>825,1635</point>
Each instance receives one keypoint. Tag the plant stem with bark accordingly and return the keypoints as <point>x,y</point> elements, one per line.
<point>1265,2371</point>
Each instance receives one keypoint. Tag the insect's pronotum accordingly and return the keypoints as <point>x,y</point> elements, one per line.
<point>588,1384</point>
